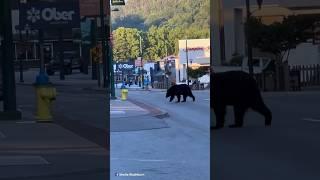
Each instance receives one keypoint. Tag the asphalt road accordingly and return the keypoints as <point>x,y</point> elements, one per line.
<point>288,150</point>
<point>179,152</point>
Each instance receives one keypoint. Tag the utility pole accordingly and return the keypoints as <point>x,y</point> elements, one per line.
<point>142,69</point>
<point>187,58</point>
<point>249,45</point>
<point>8,78</point>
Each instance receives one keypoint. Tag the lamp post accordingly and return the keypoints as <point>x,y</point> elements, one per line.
<point>110,55</point>
<point>142,69</point>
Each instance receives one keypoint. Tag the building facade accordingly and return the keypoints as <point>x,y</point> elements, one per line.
<point>194,51</point>
<point>228,32</point>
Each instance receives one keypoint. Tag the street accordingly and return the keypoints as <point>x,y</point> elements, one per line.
<point>177,151</point>
<point>287,150</point>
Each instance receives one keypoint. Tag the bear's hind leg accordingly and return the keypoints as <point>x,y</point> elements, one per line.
<point>238,116</point>
<point>264,110</point>
<point>184,98</point>
<point>192,96</point>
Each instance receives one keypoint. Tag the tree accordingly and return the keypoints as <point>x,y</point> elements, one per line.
<point>159,43</point>
<point>196,73</point>
<point>126,44</point>
<point>280,38</point>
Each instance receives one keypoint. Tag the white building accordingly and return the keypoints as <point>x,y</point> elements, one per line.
<point>197,54</point>
<point>228,27</point>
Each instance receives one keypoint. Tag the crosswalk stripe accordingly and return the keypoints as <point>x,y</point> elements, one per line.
<point>117,112</point>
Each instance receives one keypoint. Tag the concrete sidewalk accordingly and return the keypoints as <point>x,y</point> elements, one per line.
<point>48,151</point>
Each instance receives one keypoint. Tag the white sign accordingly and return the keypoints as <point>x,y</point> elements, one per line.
<point>55,14</point>
<point>125,66</point>
<point>49,14</point>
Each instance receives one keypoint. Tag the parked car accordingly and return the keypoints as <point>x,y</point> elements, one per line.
<point>71,62</point>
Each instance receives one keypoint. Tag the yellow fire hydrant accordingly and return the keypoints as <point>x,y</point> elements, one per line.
<point>124,94</point>
<point>45,95</point>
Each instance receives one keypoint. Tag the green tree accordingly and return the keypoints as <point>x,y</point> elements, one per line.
<point>198,72</point>
<point>281,37</point>
<point>126,44</point>
<point>159,44</point>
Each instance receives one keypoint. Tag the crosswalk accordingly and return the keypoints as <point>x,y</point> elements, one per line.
<point>121,110</point>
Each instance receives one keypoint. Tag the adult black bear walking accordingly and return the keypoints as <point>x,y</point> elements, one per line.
<point>178,90</point>
<point>240,90</point>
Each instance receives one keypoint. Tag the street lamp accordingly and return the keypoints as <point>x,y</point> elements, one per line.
<point>113,93</point>
<point>141,54</point>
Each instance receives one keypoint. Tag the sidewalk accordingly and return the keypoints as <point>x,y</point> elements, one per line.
<point>74,146</point>
<point>62,150</point>
<point>43,151</point>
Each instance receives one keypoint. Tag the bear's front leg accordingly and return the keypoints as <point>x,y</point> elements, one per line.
<point>171,98</point>
<point>239,112</point>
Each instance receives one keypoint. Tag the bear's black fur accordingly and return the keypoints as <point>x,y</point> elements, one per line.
<point>178,90</point>
<point>240,90</point>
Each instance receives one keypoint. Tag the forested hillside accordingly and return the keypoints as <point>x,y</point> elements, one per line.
<point>160,24</point>
<point>142,14</point>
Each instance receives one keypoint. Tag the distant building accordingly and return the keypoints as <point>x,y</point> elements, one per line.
<point>197,54</point>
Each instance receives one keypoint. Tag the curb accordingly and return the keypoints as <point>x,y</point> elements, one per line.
<point>155,112</point>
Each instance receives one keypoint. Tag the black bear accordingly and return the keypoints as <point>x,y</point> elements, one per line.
<point>240,90</point>
<point>178,90</point>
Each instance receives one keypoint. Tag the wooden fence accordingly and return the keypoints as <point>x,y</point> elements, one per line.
<point>309,74</point>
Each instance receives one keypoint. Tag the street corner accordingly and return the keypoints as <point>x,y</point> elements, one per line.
<point>25,136</point>
<point>153,111</point>
<point>125,109</point>
<point>132,115</point>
